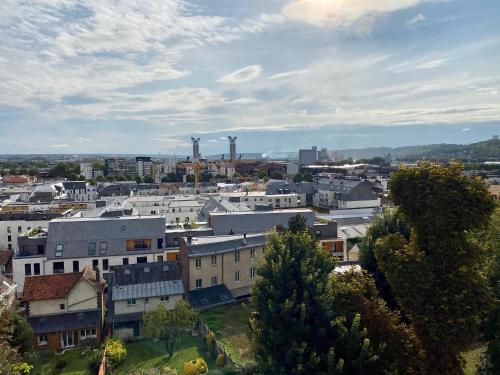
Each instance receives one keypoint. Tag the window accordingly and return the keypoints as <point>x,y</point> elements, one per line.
<point>124,227</point>
<point>138,245</point>
<point>236,256</point>
<point>40,249</point>
<point>103,247</point>
<point>19,229</point>
<point>95,264</point>
<point>214,280</point>
<point>43,339</point>
<point>87,333</point>
<point>9,238</point>
<point>58,267</point>
<point>124,261</point>
<point>252,273</point>
<point>105,264</point>
<point>27,269</point>
<point>9,246</point>
<point>36,269</point>
<point>91,248</point>
<point>159,243</point>
<point>146,269</point>
<point>76,266</point>
<point>8,229</point>
<point>214,260</point>
<point>164,298</point>
<point>237,276</point>
<point>159,258</point>
<point>252,254</point>
<point>198,283</point>
<point>198,262</point>
<point>131,302</point>
<point>61,306</point>
<point>59,250</point>
<point>142,259</point>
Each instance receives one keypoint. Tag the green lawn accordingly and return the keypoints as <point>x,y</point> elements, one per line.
<point>75,363</point>
<point>230,326</point>
<point>144,354</point>
<point>472,359</point>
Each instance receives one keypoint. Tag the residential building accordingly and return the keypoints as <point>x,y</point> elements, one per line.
<point>255,221</point>
<point>229,260</point>
<point>284,187</point>
<point>86,170</point>
<point>80,191</point>
<point>7,293</point>
<point>136,289</point>
<point>308,156</point>
<point>143,166</point>
<point>346,194</point>
<point>64,310</point>
<point>71,244</point>
<point>114,167</point>
<point>259,199</point>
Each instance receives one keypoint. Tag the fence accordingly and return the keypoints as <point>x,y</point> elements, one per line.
<point>219,349</point>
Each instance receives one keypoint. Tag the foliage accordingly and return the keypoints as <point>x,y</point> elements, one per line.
<point>22,336</point>
<point>23,368</point>
<point>138,179</point>
<point>197,366</point>
<point>115,352</point>
<point>390,222</point>
<point>220,361</point>
<point>437,276</point>
<point>210,341</point>
<point>148,180</point>
<point>94,359</point>
<point>169,371</point>
<point>297,224</point>
<point>9,357</point>
<point>277,176</point>
<point>169,325</point>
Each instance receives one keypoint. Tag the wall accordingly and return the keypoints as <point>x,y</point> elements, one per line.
<point>18,269</point>
<point>141,305</point>
<point>46,307</point>
<point>14,224</point>
<point>83,296</point>
<point>345,205</point>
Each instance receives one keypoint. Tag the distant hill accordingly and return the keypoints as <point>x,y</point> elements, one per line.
<point>480,151</point>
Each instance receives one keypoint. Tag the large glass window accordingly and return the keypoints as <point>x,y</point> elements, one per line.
<point>58,267</point>
<point>103,247</point>
<point>91,248</point>
<point>59,250</point>
<point>138,244</point>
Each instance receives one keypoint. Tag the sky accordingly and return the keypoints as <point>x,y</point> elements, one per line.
<point>126,76</point>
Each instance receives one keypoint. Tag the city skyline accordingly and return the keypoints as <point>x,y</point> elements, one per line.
<point>83,77</point>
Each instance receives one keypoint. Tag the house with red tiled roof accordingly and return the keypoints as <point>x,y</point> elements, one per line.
<point>65,309</point>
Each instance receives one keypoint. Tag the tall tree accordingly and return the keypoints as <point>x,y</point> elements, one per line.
<point>437,276</point>
<point>169,325</point>
<point>390,222</point>
<point>296,330</point>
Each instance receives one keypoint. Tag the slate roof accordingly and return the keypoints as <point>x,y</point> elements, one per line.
<point>280,187</point>
<point>255,221</point>
<point>221,244</point>
<point>210,297</point>
<point>154,289</point>
<point>63,322</point>
<point>134,273</point>
<point>38,288</point>
<point>74,185</point>
<point>220,205</point>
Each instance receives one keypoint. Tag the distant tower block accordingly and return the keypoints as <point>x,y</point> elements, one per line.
<point>196,148</point>
<point>232,147</point>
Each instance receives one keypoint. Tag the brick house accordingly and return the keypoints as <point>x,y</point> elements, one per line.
<point>64,310</point>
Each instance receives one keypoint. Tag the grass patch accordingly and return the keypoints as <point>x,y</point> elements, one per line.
<point>145,354</point>
<point>76,363</point>
<point>230,326</point>
<point>472,358</point>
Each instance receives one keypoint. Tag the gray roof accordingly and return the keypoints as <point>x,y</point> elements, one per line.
<point>74,185</point>
<point>210,297</point>
<point>280,187</point>
<point>255,221</point>
<point>220,205</point>
<point>135,273</point>
<point>221,244</point>
<point>154,289</point>
<point>353,190</point>
<point>63,322</point>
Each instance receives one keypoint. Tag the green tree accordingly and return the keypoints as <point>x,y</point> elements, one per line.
<point>100,178</point>
<point>277,176</point>
<point>390,222</point>
<point>169,325</point>
<point>197,366</point>
<point>149,180</point>
<point>22,335</point>
<point>298,177</point>
<point>308,177</point>
<point>190,178</point>
<point>437,276</point>
<point>297,224</point>
<point>138,179</point>
<point>115,352</point>
<point>9,357</point>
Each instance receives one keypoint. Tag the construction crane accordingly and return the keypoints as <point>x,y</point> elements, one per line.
<point>197,170</point>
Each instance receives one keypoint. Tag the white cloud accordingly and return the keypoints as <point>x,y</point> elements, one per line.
<point>60,145</point>
<point>340,13</point>
<point>466,130</point>
<point>213,141</point>
<point>418,18</point>
<point>288,74</point>
<point>242,75</point>
<point>84,140</point>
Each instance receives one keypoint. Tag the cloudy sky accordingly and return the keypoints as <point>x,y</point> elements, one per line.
<point>128,76</point>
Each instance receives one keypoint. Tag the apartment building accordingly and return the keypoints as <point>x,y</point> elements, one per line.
<point>143,166</point>
<point>70,244</point>
<point>346,194</point>
<point>80,191</point>
<point>228,260</point>
<point>64,310</point>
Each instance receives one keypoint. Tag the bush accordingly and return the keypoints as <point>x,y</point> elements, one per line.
<point>60,363</point>
<point>115,352</point>
<point>220,361</point>
<point>94,361</point>
<point>197,366</point>
<point>210,341</point>
<point>169,371</point>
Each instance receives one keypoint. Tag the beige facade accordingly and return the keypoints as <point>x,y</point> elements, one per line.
<point>82,297</point>
<point>236,269</point>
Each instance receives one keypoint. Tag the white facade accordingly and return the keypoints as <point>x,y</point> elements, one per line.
<point>144,167</point>
<point>11,229</point>
<point>252,199</point>
<point>89,194</point>
<point>86,170</point>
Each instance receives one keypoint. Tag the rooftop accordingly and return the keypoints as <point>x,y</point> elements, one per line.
<point>154,289</point>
